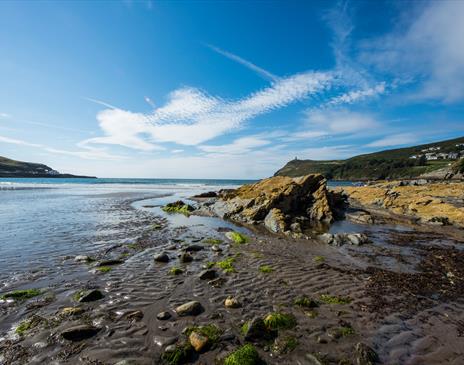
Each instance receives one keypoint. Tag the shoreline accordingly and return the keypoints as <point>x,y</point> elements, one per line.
<point>376,278</point>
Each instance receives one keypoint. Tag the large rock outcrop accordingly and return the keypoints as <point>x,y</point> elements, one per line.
<point>432,203</point>
<point>281,203</point>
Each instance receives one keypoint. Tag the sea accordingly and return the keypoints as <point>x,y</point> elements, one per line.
<point>43,220</point>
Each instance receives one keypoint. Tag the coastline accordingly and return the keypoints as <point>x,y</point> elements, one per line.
<point>379,292</point>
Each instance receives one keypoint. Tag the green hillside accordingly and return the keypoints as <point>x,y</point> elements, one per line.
<point>389,164</point>
<point>13,168</point>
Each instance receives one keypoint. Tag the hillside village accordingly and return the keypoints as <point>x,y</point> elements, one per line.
<point>436,153</point>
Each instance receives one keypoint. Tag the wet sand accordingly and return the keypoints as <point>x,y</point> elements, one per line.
<point>405,292</point>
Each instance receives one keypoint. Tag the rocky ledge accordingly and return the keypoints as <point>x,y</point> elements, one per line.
<point>282,204</point>
<point>430,203</point>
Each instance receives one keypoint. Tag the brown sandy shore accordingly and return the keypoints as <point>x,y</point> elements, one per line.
<point>401,295</point>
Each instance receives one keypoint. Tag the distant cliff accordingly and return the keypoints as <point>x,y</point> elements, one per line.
<point>13,168</point>
<point>401,163</point>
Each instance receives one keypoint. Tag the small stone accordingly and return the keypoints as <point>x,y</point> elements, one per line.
<point>326,238</point>
<point>162,341</point>
<point>186,257</point>
<point>170,348</point>
<point>162,316</point>
<point>82,258</point>
<point>193,248</point>
<point>79,333</point>
<point>89,296</point>
<point>198,341</point>
<point>231,302</point>
<point>110,262</point>
<point>192,308</point>
<point>217,283</point>
<point>295,227</point>
<point>255,330</point>
<point>365,355</point>
<point>207,274</point>
<point>162,257</point>
<point>135,315</point>
<point>216,248</point>
<point>72,311</point>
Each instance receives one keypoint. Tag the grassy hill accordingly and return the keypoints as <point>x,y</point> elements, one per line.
<point>389,164</point>
<point>13,168</point>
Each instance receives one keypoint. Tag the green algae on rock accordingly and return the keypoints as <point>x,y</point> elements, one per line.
<point>178,207</point>
<point>21,294</point>
<point>227,265</point>
<point>279,320</point>
<point>305,302</point>
<point>237,237</point>
<point>332,299</point>
<point>245,355</point>
<point>266,269</point>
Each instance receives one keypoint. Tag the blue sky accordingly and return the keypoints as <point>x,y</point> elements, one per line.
<point>224,89</point>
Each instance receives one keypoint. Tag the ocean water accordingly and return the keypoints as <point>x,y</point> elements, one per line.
<point>43,220</point>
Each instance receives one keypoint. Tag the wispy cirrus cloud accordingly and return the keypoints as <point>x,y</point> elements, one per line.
<point>394,140</point>
<point>239,146</point>
<point>260,71</point>
<point>192,117</point>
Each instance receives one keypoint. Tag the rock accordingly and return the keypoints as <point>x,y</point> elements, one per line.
<point>209,194</point>
<point>356,239</point>
<point>255,330</point>
<point>295,227</point>
<point>80,332</point>
<point>360,217</point>
<point>134,315</point>
<point>163,341</point>
<point>216,248</point>
<point>277,201</point>
<point>110,262</point>
<point>217,283</point>
<point>275,221</point>
<point>365,355</point>
<point>231,302</point>
<point>326,238</point>
<point>83,258</point>
<point>162,257</point>
<point>198,341</point>
<point>72,311</point>
<point>207,274</point>
<point>186,257</point>
<point>89,295</point>
<point>163,316</point>
<point>192,308</point>
<point>193,248</point>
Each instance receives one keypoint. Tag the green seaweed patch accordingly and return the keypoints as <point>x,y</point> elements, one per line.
<point>28,324</point>
<point>319,259</point>
<point>227,265</point>
<point>212,241</point>
<point>245,355</point>
<point>134,246</point>
<point>279,320</point>
<point>180,355</point>
<point>285,345</point>
<point>178,207</point>
<point>21,294</point>
<point>176,271</point>
<point>266,269</point>
<point>245,327</point>
<point>210,264</point>
<point>237,237</point>
<point>342,331</point>
<point>305,302</point>
<point>332,299</point>
<point>104,269</point>
<point>156,227</point>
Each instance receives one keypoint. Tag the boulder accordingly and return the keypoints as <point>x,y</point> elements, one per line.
<point>278,202</point>
<point>207,274</point>
<point>198,341</point>
<point>162,257</point>
<point>256,330</point>
<point>163,316</point>
<point>186,257</point>
<point>193,248</point>
<point>80,332</point>
<point>89,295</point>
<point>232,302</point>
<point>365,355</point>
<point>275,221</point>
<point>192,308</point>
<point>110,262</point>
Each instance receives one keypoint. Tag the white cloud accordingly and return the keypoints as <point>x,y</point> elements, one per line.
<point>260,71</point>
<point>5,116</point>
<point>358,95</point>
<point>429,48</point>
<point>239,146</point>
<point>191,117</point>
<point>18,142</point>
<point>394,140</point>
<point>340,121</point>
<point>177,151</point>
